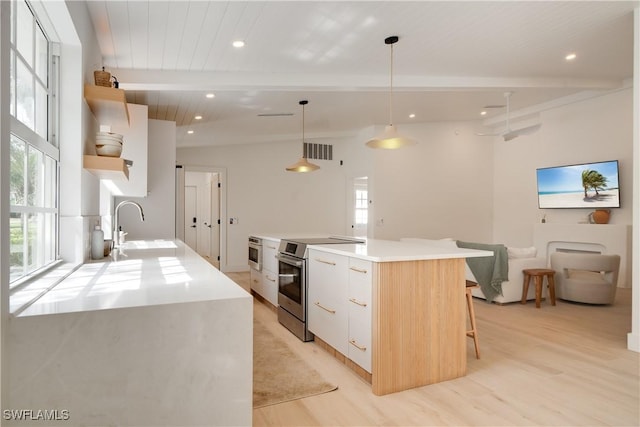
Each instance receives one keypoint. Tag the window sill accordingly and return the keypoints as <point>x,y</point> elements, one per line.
<point>28,290</point>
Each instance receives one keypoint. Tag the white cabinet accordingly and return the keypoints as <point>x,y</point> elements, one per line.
<point>327,298</point>
<point>266,285</point>
<point>340,299</point>
<point>360,311</point>
<point>256,281</point>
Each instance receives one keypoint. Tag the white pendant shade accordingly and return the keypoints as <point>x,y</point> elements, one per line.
<point>303,166</point>
<point>390,139</point>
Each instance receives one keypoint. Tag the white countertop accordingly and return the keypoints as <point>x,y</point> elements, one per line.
<point>393,250</point>
<point>141,273</point>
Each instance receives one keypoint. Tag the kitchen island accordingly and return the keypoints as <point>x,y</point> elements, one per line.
<point>153,335</point>
<point>395,312</point>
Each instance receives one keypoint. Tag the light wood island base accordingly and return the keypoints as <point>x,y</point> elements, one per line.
<point>418,324</point>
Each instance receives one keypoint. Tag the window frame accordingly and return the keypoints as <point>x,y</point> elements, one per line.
<point>47,147</point>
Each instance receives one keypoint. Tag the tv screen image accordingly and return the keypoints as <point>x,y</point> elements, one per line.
<point>586,185</point>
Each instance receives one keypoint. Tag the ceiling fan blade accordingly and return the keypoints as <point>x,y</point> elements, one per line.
<point>512,134</point>
<point>490,134</point>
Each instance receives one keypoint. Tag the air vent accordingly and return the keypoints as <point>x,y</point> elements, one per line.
<point>318,151</point>
<point>274,114</point>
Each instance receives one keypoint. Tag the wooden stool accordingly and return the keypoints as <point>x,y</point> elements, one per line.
<point>538,275</point>
<point>473,332</point>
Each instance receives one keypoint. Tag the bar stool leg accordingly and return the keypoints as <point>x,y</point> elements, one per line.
<point>525,288</point>
<point>473,333</point>
<point>538,280</point>
<point>551,282</point>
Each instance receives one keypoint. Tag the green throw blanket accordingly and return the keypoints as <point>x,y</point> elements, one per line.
<point>490,272</point>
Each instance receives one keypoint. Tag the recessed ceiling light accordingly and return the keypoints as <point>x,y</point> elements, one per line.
<point>210,95</point>
<point>189,132</point>
<point>238,43</point>
<point>198,117</point>
<point>483,113</point>
<point>570,57</point>
<point>411,116</point>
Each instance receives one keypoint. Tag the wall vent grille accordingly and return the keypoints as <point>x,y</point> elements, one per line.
<point>318,151</point>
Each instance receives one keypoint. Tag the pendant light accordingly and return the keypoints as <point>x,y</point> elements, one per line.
<point>303,165</point>
<point>390,138</point>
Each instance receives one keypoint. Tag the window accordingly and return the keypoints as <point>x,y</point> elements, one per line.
<point>360,207</point>
<point>34,153</point>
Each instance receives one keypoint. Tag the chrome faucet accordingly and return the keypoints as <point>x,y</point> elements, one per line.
<point>116,234</point>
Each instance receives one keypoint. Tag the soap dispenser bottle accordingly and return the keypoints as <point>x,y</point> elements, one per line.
<point>97,243</point>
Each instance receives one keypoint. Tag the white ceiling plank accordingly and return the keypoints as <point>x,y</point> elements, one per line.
<point>175,28</point>
<point>100,20</point>
<point>139,17</point>
<point>193,29</point>
<point>157,33</point>
<point>119,25</point>
<point>204,46</point>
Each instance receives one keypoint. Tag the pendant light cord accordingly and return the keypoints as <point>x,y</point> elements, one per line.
<point>303,155</point>
<point>391,86</point>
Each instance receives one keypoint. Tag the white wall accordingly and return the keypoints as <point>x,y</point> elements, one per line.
<point>265,198</point>
<point>159,205</point>
<point>440,187</point>
<point>597,129</point>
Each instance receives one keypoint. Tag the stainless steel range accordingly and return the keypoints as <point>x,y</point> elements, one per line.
<point>293,281</point>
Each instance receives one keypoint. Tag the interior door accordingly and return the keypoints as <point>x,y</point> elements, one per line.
<point>215,217</point>
<point>190,216</point>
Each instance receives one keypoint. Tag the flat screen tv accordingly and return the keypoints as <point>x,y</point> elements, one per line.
<point>586,185</point>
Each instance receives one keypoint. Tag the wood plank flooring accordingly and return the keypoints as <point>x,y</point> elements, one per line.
<point>555,366</point>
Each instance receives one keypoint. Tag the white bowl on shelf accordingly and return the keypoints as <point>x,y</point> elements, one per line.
<point>108,150</point>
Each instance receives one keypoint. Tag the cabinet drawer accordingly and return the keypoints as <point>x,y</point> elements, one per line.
<point>269,251</point>
<point>327,262</point>
<point>359,350</point>
<point>256,281</point>
<point>270,286</point>
<point>360,269</point>
<point>360,281</point>
<point>329,323</point>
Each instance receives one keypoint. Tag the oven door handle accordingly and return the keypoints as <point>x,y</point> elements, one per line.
<point>286,260</point>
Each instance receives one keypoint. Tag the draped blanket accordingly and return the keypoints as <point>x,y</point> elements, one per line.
<point>490,272</point>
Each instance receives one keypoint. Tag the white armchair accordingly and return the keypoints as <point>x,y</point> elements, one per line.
<point>584,277</point>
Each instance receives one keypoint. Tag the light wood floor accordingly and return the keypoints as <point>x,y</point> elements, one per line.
<point>555,366</point>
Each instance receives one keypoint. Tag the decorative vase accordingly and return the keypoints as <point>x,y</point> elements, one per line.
<point>601,216</point>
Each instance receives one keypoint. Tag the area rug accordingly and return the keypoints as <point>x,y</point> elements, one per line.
<point>279,375</point>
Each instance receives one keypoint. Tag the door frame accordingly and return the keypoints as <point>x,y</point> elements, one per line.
<point>180,184</point>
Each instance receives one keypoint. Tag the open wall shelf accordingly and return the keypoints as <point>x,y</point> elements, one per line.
<point>113,168</point>
<point>109,105</point>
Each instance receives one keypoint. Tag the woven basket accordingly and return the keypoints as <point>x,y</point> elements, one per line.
<point>102,78</point>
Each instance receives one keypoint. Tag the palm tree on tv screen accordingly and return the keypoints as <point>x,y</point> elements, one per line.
<point>593,179</point>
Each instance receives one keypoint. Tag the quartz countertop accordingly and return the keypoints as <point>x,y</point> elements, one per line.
<point>140,273</point>
<point>393,250</point>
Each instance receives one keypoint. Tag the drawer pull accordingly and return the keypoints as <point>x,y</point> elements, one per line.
<point>358,270</point>
<point>325,308</point>
<point>325,262</point>
<point>355,301</point>
<point>359,347</point>
<point>255,280</point>
<point>272,247</point>
<point>270,279</point>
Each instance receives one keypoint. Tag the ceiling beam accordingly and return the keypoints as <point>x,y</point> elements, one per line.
<point>145,80</point>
